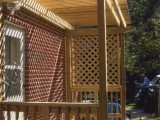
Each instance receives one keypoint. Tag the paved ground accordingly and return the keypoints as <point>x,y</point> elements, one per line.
<point>137,114</point>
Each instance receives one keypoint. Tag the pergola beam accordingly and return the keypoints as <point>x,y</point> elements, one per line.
<point>123,22</point>
<point>114,14</point>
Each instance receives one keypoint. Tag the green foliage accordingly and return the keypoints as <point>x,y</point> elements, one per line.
<point>143,45</point>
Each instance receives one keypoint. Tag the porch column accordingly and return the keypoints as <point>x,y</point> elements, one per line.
<point>1,52</point>
<point>123,77</point>
<point>102,59</point>
<point>67,68</point>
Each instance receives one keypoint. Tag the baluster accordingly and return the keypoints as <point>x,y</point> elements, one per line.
<point>17,112</point>
<point>67,113</point>
<point>46,113</point>
<point>87,113</point>
<point>34,112</point>
<point>98,114</point>
<point>25,111</point>
<point>1,112</point>
<point>95,96</point>
<point>77,114</point>
<point>90,96</point>
<point>8,113</point>
<point>58,113</point>
<point>85,96</point>
<point>112,102</point>
<point>81,97</point>
<point>117,110</point>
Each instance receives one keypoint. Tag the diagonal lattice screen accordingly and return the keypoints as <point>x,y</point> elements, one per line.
<point>113,59</point>
<point>85,60</point>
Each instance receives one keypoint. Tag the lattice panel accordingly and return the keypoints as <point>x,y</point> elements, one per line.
<point>85,60</point>
<point>113,59</point>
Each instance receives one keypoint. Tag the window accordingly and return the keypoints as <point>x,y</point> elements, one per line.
<point>14,63</point>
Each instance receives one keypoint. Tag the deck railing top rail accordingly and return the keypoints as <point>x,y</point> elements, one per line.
<point>51,104</point>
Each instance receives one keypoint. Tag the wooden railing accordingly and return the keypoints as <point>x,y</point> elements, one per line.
<point>48,111</point>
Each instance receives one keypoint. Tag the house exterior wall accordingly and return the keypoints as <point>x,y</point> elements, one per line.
<point>44,56</point>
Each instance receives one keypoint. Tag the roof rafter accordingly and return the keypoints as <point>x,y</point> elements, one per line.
<point>2,1</point>
<point>38,9</point>
<point>120,13</point>
<point>111,8</point>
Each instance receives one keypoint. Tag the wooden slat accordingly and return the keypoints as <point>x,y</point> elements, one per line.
<point>1,112</point>
<point>120,13</point>
<point>45,13</point>
<point>58,113</point>
<point>67,113</point>
<point>34,113</point>
<point>8,112</point>
<point>94,31</point>
<point>87,113</point>
<point>158,100</point>
<point>69,109</point>
<point>71,11</point>
<point>114,14</point>
<point>25,110</point>
<point>1,53</point>
<point>102,58</point>
<point>96,97</point>
<point>2,1</point>
<point>114,115</point>
<point>77,114</point>
<point>46,113</point>
<point>67,67</point>
<point>67,3</point>
<point>123,77</point>
<point>17,112</point>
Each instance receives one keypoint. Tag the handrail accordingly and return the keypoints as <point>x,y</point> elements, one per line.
<point>69,111</point>
<point>51,104</point>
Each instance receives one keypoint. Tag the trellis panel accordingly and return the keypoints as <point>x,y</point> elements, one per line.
<point>85,60</point>
<point>84,57</point>
<point>113,59</point>
<point>84,70</point>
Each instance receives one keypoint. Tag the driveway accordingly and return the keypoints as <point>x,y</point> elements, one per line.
<point>138,114</point>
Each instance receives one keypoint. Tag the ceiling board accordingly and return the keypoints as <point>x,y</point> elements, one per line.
<point>82,12</point>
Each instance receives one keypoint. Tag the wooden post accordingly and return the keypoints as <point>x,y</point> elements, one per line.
<point>102,59</point>
<point>123,77</point>
<point>67,68</point>
<point>159,100</point>
<point>1,53</point>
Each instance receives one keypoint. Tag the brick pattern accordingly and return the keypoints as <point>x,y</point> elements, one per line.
<point>44,57</point>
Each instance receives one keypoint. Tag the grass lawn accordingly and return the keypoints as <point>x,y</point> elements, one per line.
<point>130,106</point>
<point>157,118</point>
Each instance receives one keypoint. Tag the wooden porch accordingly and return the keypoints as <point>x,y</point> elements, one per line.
<point>95,70</point>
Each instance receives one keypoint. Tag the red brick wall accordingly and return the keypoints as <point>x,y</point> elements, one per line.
<point>44,57</point>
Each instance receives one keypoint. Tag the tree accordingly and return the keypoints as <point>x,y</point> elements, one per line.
<point>143,45</point>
